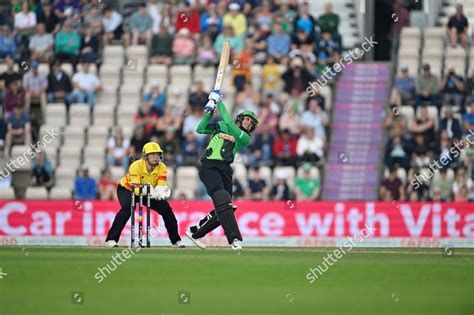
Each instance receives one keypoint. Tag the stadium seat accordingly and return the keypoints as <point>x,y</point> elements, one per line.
<point>187,178</point>
<point>240,172</point>
<point>94,155</point>
<point>113,55</point>
<point>265,174</point>
<point>171,178</point>
<point>56,114</point>
<point>36,193</point>
<point>98,134</point>
<point>68,68</point>
<point>289,171</point>
<point>126,114</point>
<point>159,74</point>
<point>52,154</point>
<point>70,153</point>
<point>205,74</point>
<point>79,115</point>
<point>117,172</point>
<point>178,192</point>
<point>408,112</point>
<point>60,193</point>
<point>7,193</point>
<point>51,134</point>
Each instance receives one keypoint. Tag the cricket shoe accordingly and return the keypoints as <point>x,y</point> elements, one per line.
<point>196,241</point>
<point>178,244</point>
<point>236,245</point>
<point>111,244</point>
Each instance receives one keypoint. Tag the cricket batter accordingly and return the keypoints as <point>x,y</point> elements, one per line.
<point>147,170</point>
<point>228,137</point>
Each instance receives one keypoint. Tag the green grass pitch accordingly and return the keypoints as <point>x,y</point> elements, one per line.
<point>51,280</point>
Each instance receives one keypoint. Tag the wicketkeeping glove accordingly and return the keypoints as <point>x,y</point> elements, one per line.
<point>160,193</point>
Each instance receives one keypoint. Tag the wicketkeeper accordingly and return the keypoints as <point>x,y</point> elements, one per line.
<point>148,170</point>
<point>228,137</point>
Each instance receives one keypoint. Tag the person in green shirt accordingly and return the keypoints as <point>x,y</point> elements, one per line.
<point>228,137</point>
<point>67,44</point>
<point>329,22</point>
<point>306,187</point>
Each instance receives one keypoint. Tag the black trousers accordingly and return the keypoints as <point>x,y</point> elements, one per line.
<point>161,206</point>
<point>216,175</point>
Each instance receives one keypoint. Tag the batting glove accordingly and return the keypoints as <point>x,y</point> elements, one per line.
<point>215,96</point>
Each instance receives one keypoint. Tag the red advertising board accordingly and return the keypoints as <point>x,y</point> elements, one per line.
<point>261,223</point>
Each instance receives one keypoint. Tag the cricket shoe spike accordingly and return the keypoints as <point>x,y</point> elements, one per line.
<point>178,244</point>
<point>236,245</point>
<point>196,241</point>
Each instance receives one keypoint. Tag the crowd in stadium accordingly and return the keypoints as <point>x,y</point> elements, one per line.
<point>439,131</point>
<point>276,34</point>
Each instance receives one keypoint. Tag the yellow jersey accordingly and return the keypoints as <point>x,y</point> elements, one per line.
<point>138,174</point>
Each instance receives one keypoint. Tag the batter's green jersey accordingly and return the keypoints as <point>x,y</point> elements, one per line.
<point>227,138</point>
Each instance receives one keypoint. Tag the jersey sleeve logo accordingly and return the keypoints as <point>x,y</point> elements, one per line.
<point>226,137</point>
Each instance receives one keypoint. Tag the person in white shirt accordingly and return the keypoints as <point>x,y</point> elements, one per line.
<point>113,25</point>
<point>154,10</point>
<point>25,22</point>
<point>41,45</point>
<point>309,148</point>
<point>117,149</point>
<point>86,85</point>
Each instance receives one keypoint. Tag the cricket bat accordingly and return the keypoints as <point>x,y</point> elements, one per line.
<point>222,65</point>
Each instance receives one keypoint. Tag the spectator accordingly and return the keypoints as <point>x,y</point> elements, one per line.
<point>9,76</point>
<point>395,118</point>
<point>457,28</point>
<point>92,15</point>
<point>238,192</point>
<point>145,117</point>
<point>307,187</point>
<point>236,42</point>
<point>117,150</point>
<point>211,22</point>
<point>107,186</point>
<point>442,183</point>
<point>443,149</point>
<point>310,147</point>
<point>315,118</point>
<point>170,119</point>
<point>66,9</point>
<point>452,85</point>
<point>41,45</point>
<point>137,142</point>
<point>241,70</point>
<point>280,190</point>
<point>42,171</point>
<point>296,77</point>
<point>140,24</point>
<point>49,19</point>
<point>67,44</point>
<point>155,99</point>
<point>161,47</point>
<point>59,84</point>
<point>284,149</point>
<point>259,45</point>
<point>18,128</point>
<point>188,18</point>
<point>184,48</point>
<point>451,125</point>
<point>25,22</point>
<point>190,149</point>
<point>198,98</point>
<point>17,5</point>
<point>422,154</point>
<point>305,21</point>
<point>268,119</point>
<point>154,10</point>
<point>112,23</point>
<point>285,17</point>
<point>190,124</point>
<point>206,55</point>
<point>171,147</point>
<point>90,46</point>
<point>462,195</point>
<point>427,87</point>
<point>300,38</point>
<point>422,188</point>
<point>279,43</point>
<point>257,187</point>
<point>327,46</point>
<point>404,89</point>
<point>247,100</point>
<point>85,187</point>
<point>264,16</point>
<point>7,42</point>
<point>262,146</point>
<point>15,96</point>
<point>468,120</point>
<point>271,77</point>
<point>424,124</point>
<point>35,85</point>
<point>329,22</point>
<point>398,150</point>
<point>393,186</point>
<point>86,86</point>
<point>236,20</point>
<point>461,181</point>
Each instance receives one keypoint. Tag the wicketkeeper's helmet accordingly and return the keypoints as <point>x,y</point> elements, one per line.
<point>151,147</point>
